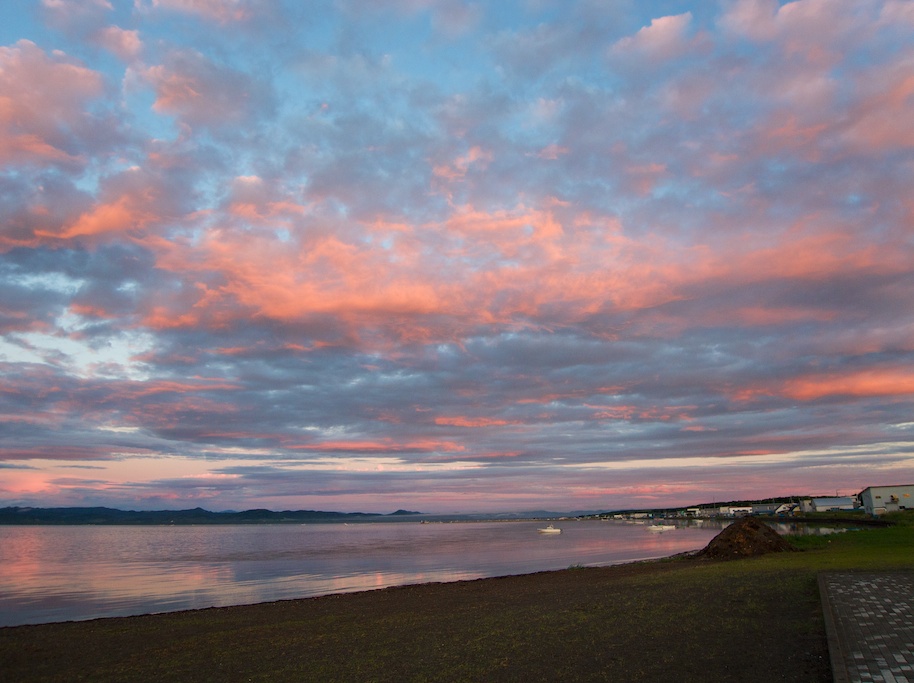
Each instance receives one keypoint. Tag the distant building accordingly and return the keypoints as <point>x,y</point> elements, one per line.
<point>833,504</point>
<point>878,500</point>
<point>736,510</point>
<point>764,508</point>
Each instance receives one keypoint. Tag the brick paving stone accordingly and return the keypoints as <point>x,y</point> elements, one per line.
<point>869,617</point>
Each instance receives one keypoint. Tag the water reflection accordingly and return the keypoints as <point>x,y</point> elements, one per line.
<point>803,529</point>
<point>65,573</point>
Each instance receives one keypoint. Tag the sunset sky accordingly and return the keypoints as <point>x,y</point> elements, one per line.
<point>362,255</point>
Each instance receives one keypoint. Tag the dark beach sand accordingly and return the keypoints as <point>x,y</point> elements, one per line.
<point>681,619</point>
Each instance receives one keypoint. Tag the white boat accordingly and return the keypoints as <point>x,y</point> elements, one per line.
<point>550,530</point>
<point>660,528</point>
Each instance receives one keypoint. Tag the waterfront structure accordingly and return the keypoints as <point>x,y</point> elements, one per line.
<point>878,500</point>
<point>828,504</point>
<point>833,504</point>
<point>736,510</point>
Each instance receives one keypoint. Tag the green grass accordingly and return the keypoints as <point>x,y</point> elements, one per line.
<point>862,548</point>
<point>748,620</point>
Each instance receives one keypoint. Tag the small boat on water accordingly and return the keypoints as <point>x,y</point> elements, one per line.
<point>660,528</point>
<point>550,530</point>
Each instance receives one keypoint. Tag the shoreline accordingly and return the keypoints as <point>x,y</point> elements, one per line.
<point>306,596</point>
<point>626,568</point>
<point>132,572</point>
<point>644,561</point>
<point>617,622</point>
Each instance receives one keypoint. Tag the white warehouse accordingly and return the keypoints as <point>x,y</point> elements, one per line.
<point>878,500</point>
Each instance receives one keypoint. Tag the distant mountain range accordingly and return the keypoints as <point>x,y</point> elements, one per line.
<point>103,515</point>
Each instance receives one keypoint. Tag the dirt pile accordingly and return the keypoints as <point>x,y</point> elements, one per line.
<point>746,537</point>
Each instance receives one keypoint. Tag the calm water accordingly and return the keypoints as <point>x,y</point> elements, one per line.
<point>63,573</point>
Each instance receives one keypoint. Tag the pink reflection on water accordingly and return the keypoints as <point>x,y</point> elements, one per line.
<point>64,573</point>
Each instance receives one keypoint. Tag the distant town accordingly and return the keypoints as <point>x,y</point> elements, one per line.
<point>873,501</point>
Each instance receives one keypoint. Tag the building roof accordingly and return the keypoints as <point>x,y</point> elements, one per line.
<point>889,486</point>
<point>833,501</point>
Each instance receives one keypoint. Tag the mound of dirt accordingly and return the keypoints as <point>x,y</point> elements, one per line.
<point>746,537</point>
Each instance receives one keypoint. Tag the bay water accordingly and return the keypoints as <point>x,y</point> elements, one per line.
<point>66,573</point>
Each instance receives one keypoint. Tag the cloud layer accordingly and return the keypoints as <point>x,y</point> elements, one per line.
<point>451,256</point>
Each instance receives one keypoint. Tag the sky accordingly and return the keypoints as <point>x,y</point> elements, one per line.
<point>452,256</point>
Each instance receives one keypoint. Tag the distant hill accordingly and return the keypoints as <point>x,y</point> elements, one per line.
<point>104,515</point>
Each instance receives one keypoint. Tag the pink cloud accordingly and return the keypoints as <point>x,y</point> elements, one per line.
<point>221,11</point>
<point>200,92</point>
<point>264,254</point>
<point>256,201</point>
<point>895,12</point>
<point>665,38</point>
<point>754,19</point>
<point>127,391</point>
<point>129,202</point>
<point>815,31</point>
<point>118,216</point>
<point>123,43</point>
<point>507,227</point>
<point>862,383</point>
<point>382,446</point>
<point>846,384</point>
<point>42,102</point>
<point>461,421</point>
<point>340,278</point>
<point>457,169</point>
<point>652,414</point>
<point>879,119</point>
<point>808,251</point>
<point>522,264</point>
<point>817,116</point>
<point>75,5</point>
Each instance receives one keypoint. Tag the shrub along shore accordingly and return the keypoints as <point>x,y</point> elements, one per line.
<point>683,619</point>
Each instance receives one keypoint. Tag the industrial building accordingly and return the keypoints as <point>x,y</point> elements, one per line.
<point>878,500</point>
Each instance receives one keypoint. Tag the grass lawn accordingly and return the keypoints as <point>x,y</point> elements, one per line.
<point>675,620</point>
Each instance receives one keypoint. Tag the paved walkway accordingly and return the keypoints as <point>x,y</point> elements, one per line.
<point>869,618</point>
